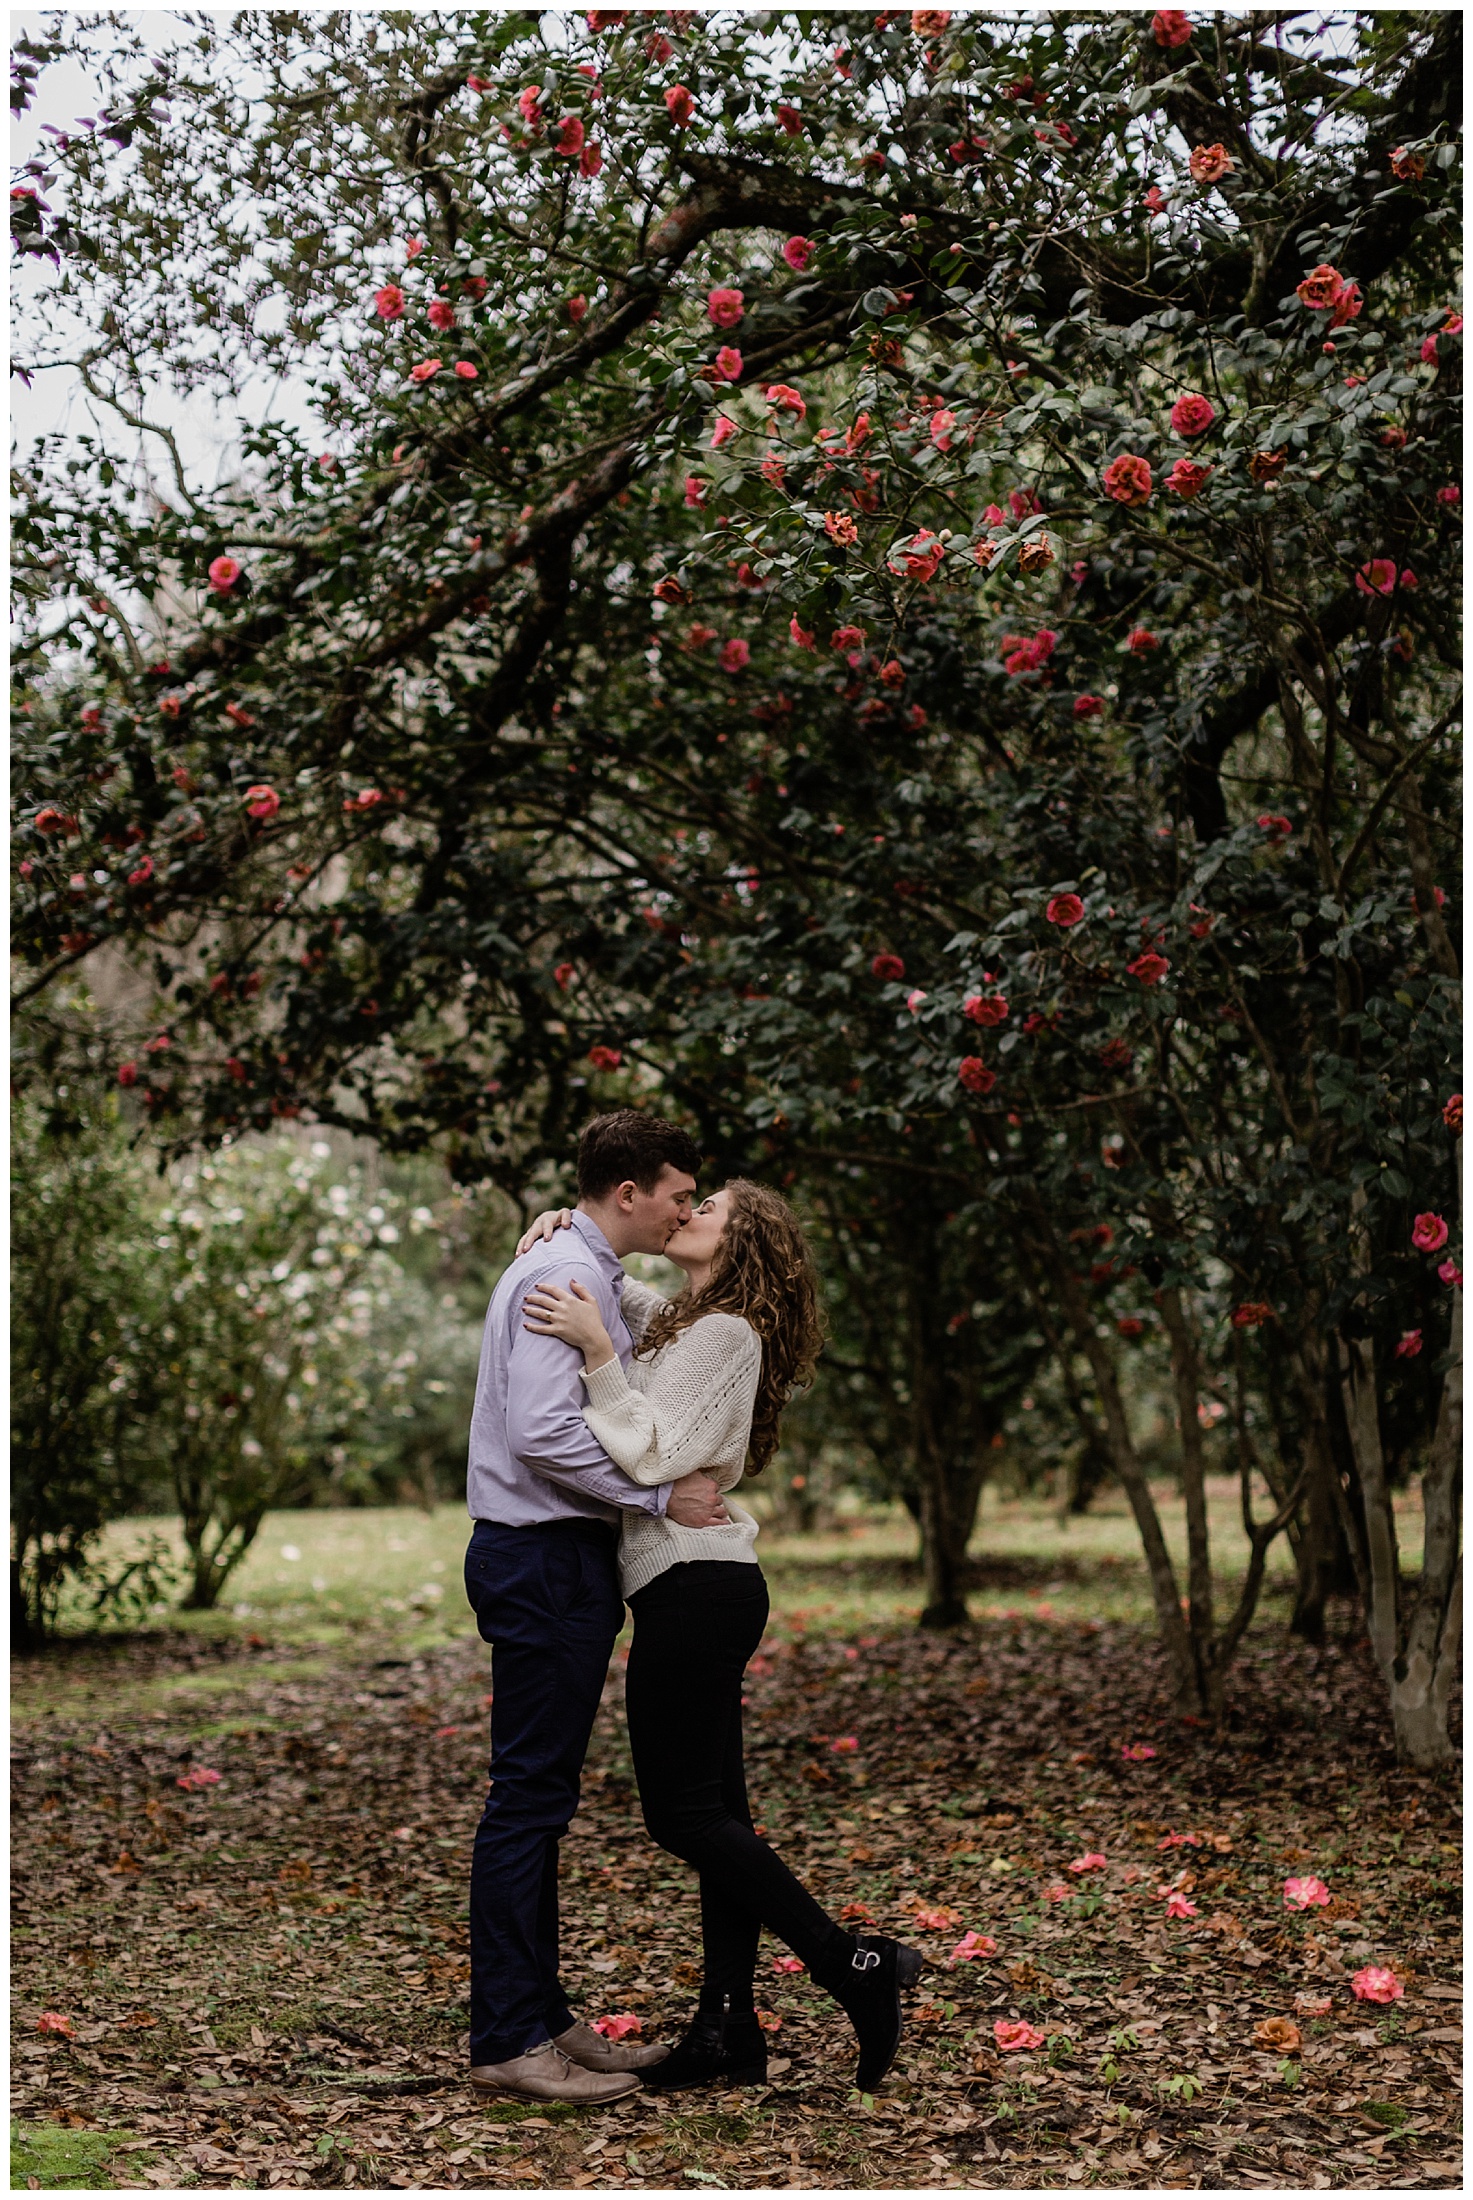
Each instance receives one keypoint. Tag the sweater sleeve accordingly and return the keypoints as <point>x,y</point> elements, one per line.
<point>697,1405</point>
<point>639,1305</point>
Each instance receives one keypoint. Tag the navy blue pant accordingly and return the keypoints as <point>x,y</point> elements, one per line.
<point>547,1600</point>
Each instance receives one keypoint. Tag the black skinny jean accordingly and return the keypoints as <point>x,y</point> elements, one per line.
<point>695,1626</point>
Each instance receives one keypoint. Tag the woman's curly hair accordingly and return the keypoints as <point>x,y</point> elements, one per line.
<point>764,1272</point>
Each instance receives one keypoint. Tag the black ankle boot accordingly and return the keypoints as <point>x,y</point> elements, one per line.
<point>725,2050</point>
<point>868,1990</point>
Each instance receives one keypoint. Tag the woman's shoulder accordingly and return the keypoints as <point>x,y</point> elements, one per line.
<point>730,1333</point>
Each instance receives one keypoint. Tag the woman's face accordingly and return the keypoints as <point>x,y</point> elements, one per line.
<point>695,1245</point>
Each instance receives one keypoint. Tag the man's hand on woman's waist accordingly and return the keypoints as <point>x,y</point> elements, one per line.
<point>696,1502</point>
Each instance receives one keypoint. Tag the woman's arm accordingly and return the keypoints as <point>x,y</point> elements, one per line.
<point>639,1304</point>
<point>697,1402</point>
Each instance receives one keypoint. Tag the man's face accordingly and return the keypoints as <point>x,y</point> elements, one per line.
<point>654,1217</point>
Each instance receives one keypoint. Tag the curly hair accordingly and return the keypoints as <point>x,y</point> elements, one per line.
<point>764,1272</point>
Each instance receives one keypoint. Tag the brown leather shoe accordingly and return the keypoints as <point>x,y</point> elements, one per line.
<point>548,2075</point>
<point>591,2051</point>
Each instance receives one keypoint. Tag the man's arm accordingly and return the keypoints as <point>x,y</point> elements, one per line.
<point>544,1415</point>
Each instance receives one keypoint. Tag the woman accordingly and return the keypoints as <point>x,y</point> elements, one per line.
<point>712,1371</point>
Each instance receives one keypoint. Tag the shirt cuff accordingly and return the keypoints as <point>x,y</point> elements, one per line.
<point>607,1386</point>
<point>662,1499</point>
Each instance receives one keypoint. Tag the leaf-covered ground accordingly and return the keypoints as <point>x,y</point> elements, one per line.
<point>265,1976</point>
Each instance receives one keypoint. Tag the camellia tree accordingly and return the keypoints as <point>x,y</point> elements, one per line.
<point>897,572</point>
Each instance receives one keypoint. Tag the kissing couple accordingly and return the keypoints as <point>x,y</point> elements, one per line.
<point>609,1424</point>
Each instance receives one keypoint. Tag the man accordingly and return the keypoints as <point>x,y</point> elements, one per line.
<point>542,1577</point>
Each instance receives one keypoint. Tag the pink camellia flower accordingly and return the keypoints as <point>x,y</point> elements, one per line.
<point>159,1044</point>
<point>788,1966</point>
<point>1177,1904</point>
<point>658,49</point>
<point>1153,201</point>
<point>1429,351</point>
<point>934,1921</point>
<point>52,2020</point>
<point>1192,414</point>
<point>723,430</point>
<point>1137,1753</point>
<point>942,423</point>
<point>1059,1894</point>
<point>424,370</point>
<point>798,251</point>
<point>575,308</point>
<point>888,967</point>
<point>1251,1315</point>
<point>529,104</point>
<point>1017,2037</point>
<point>199,1777</point>
<point>929,22</point>
<point>605,1057</point>
<point>1429,1233</point>
<point>1376,1984</point>
<point>591,159</point>
<point>388,303</point>
<point>696,492</point>
<point>262,801</point>
<point>784,398</point>
<point>1209,163</point>
<point>1169,27</point>
<point>1305,1894</point>
<point>618,2028</point>
<point>1179,1841</point>
<point>840,528</point>
<point>442,314</point>
<point>725,308</point>
<point>1064,910</point>
<point>1141,641</point>
<point>986,1009</point>
<point>1452,1113</point>
<point>1347,305</point>
<point>735,655</point>
<point>1409,1345</point>
<point>975,1075</point>
<point>465,371</point>
<point>1449,1272</point>
<point>1128,479</point>
<point>1091,1861</point>
<point>1276,830</point>
<point>920,558</point>
<point>845,1744</point>
<point>1377,577</point>
<point>973,1945</point>
<point>127,1073</point>
<point>570,137</point>
<point>143,874</point>
<point>1451,495</point>
<point>802,636</point>
<point>1150,968</point>
<point>1089,706</point>
<point>1320,288</point>
<point>679,105</point>
<point>223,575</point>
<point>1187,479</point>
<point>769,2021</point>
<point>914,999</point>
<point>728,363</point>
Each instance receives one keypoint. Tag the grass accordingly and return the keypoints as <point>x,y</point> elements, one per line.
<point>64,2160</point>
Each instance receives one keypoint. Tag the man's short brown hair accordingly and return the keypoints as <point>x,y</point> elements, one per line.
<point>629,1145</point>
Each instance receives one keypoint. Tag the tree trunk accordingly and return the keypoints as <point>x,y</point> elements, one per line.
<point>1200,1625</point>
<point>24,1635</point>
<point>946,1519</point>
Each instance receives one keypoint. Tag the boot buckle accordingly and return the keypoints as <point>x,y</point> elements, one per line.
<point>865,1959</point>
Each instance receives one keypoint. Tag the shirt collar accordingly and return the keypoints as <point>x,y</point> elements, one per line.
<point>604,1255</point>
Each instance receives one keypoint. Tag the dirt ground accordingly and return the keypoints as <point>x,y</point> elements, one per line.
<point>262,1977</point>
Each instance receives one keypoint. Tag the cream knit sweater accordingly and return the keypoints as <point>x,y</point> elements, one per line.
<point>688,1407</point>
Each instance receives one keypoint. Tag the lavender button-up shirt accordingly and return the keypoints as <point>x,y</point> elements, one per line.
<point>532,1454</point>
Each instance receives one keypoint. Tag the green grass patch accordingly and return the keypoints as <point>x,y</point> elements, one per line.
<point>65,2160</point>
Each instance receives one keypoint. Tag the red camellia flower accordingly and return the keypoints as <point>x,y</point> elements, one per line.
<point>1128,479</point>
<point>840,528</point>
<point>1169,27</point>
<point>789,117</point>
<point>723,430</point>
<point>52,820</point>
<point>1347,305</point>
<point>801,635</point>
<point>985,1008</point>
<point>605,1057</point>
<point>529,105</point>
<point>735,655</point>
<point>1407,167</point>
<point>1429,1233</point>
<point>424,370</point>
<point>975,1074</point>
<point>1150,968</point>
<point>563,976</point>
<point>798,251</point>
<point>1065,910</point>
<point>1452,494</point>
<point>591,159</point>
<point>51,2020</point>
<point>1276,829</point>
<point>1377,577</point>
<point>388,303</point>
<point>784,398</point>
<point>1209,163</point>
<point>929,22</point>
<point>223,575</point>
<point>1320,288</point>
<point>1409,1346</point>
<point>143,874</point>
<point>1141,641</point>
<point>893,673</point>
<point>575,308</point>
<point>262,801</point>
<point>1452,1113</point>
<point>725,307</point>
<point>889,967</point>
<point>920,557</point>
<point>442,314</point>
<point>570,137</point>
<point>127,1073</point>
<point>669,590</point>
<point>1187,479</point>
<point>466,371</point>
<point>1116,1054</point>
<point>1252,1314</point>
<point>696,492</point>
<point>1130,1326</point>
<point>1089,706</point>
<point>679,105</point>
<point>1154,202</point>
<point>728,363</point>
<point>1193,414</point>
